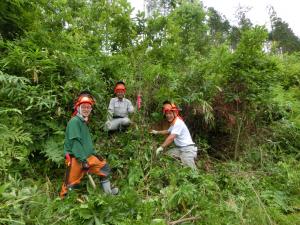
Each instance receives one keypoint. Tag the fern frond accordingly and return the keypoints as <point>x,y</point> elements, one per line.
<point>8,110</point>
<point>53,149</point>
<point>14,135</point>
<point>13,146</point>
<point>12,80</point>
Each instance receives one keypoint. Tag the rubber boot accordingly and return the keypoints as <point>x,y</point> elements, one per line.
<point>107,188</point>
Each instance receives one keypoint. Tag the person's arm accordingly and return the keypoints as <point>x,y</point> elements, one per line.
<point>163,132</point>
<point>169,140</point>
<point>74,139</point>
<point>78,153</point>
<point>166,143</point>
<point>130,108</point>
<point>78,150</point>
<point>173,132</point>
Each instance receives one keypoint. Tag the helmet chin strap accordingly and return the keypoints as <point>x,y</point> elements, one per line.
<point>79,113</point>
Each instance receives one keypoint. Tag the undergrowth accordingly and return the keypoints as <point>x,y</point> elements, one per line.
<point>159,190</point>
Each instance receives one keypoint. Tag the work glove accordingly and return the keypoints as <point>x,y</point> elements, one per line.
<point>153,132</point>
<point>85,166</point>
<point>159,149</point>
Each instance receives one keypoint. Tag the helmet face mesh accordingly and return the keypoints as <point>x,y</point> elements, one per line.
<point>83,98</point>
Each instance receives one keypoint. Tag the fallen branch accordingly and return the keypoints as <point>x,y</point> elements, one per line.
<point>186,213</point>
<point>183,220</point>
<point>59,219</point>
<point>261,204</point>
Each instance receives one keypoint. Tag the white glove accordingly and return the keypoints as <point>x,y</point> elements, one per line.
<point>153,132</point>
<point>108,125</point>
<point>158,150</point>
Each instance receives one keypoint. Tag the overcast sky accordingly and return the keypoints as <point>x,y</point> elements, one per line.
<point>287,10</point>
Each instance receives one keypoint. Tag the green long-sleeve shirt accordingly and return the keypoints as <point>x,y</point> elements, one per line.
<point>78,141</point>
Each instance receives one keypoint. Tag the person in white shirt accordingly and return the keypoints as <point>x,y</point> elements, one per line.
<point>179,134</point>
<point>118,110</point>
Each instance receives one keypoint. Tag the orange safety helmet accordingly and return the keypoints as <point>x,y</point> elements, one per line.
<point>84,99</point>
<point>167,106</point>
<point>120,86</point>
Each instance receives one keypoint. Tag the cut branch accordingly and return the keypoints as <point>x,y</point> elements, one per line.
<point>183,220</point>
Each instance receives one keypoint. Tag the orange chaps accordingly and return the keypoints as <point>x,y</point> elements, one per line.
<point>75,173</point>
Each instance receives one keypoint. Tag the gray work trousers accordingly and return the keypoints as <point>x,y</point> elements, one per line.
<point>116,124</point>
<point>187,155</point>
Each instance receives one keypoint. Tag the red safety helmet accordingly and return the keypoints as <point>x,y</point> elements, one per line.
<point>120,86</point>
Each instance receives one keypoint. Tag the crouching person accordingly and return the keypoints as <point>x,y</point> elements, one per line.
<point>178,132</point>
<point>79,150</point>
<point>118,110</point>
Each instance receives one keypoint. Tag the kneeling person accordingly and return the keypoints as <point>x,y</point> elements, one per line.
<point>118,110</point>
<point>178,132</point>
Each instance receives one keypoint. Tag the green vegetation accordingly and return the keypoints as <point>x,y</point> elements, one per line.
<point>240,102</point>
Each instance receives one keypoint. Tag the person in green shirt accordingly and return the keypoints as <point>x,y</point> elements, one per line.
<point>79,151</point>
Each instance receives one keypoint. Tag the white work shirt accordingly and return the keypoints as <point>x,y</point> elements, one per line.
<point>183,137</point>
<point>120,108</point>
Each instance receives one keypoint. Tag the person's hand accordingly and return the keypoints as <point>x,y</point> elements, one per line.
<point>159,149</point>
<point>85,166</point>
<point>108,125</point>
<point>153,132</point>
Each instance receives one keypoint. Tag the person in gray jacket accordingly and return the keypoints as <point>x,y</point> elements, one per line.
<point>119,109</point>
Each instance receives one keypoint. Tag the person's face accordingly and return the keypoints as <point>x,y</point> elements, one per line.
<point>170,116</point>
<point>120,94</point>
<point>85,109</point>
